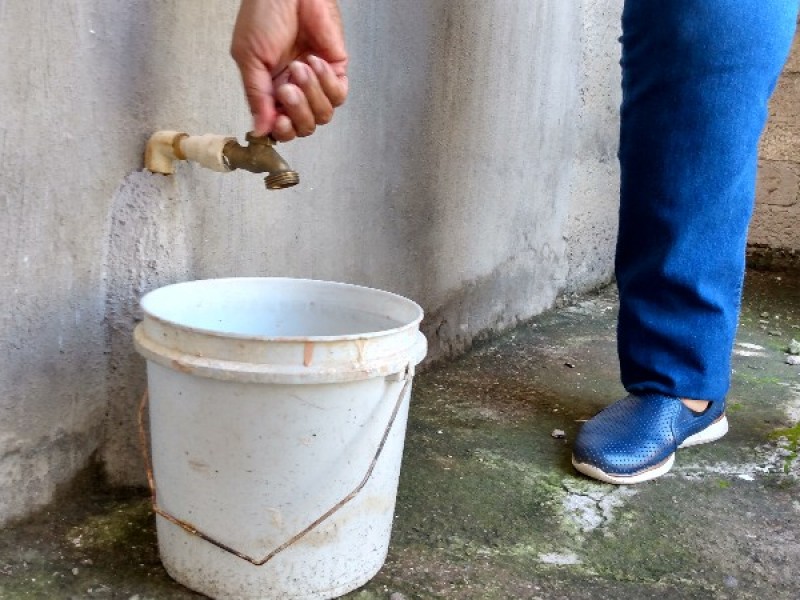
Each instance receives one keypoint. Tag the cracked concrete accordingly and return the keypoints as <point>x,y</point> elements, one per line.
<point>489,505</point>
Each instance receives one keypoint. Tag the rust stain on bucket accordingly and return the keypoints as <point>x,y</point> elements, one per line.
<point>308,353</point>
<point>360,344</point>
<point>179,366</point>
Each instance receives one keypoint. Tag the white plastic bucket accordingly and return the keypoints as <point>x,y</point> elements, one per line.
<point>277,418</point>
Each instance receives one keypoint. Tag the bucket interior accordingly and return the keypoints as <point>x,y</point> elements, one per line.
<point>281,308</point>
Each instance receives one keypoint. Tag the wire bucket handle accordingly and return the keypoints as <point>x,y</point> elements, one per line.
<point>192,530</point>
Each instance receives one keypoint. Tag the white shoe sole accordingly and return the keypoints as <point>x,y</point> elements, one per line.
<point>710,434</point>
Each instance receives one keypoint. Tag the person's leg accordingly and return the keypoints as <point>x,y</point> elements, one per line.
<point>696,76</point>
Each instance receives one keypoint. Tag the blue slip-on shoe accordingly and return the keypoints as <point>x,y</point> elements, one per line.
<point>635,439</point>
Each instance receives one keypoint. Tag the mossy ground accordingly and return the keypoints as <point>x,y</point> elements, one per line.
<point>489,506</point>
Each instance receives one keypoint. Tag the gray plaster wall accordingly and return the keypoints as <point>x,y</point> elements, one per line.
<point>594,200</point>
<point>470,170</point>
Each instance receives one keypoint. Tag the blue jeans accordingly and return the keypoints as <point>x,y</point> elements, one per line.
<point>696,79</point>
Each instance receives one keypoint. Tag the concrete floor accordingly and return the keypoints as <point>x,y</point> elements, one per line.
<point>489,506</point>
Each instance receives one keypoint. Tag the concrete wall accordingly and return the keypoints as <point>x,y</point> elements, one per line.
<point>594,199</point>
<point>776,220</point>
<point>471,170</point>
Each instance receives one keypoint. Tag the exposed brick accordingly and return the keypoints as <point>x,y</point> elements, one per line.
<point>776,227</point>
<point>785,102</point>
<point>776,221</point>
<point>781,141</point>
<point>778,183</point>
<point>793,65</point>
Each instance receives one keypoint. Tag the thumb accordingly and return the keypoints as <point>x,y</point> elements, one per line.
<point>260,96</point>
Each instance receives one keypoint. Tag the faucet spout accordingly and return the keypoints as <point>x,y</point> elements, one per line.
<point>260,156</point>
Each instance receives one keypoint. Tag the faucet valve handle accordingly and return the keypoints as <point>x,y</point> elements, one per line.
<point>260,140</point>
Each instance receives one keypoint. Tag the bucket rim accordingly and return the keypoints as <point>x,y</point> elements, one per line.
<point>413,324</point>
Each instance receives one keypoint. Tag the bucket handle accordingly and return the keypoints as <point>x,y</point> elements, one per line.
<point>192,530</point>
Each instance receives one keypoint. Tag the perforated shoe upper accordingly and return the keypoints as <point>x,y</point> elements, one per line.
<point>639,432</point>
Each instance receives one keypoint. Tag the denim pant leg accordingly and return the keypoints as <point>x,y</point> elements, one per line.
<point>696,78</point>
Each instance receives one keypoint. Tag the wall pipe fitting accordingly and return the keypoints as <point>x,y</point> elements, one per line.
<point>220,153</point>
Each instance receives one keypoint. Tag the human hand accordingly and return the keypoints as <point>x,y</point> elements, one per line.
<point>293,62</point>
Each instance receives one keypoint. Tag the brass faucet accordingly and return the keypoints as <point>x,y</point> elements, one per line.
<point>220,153</point>
<point>260,156</point>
